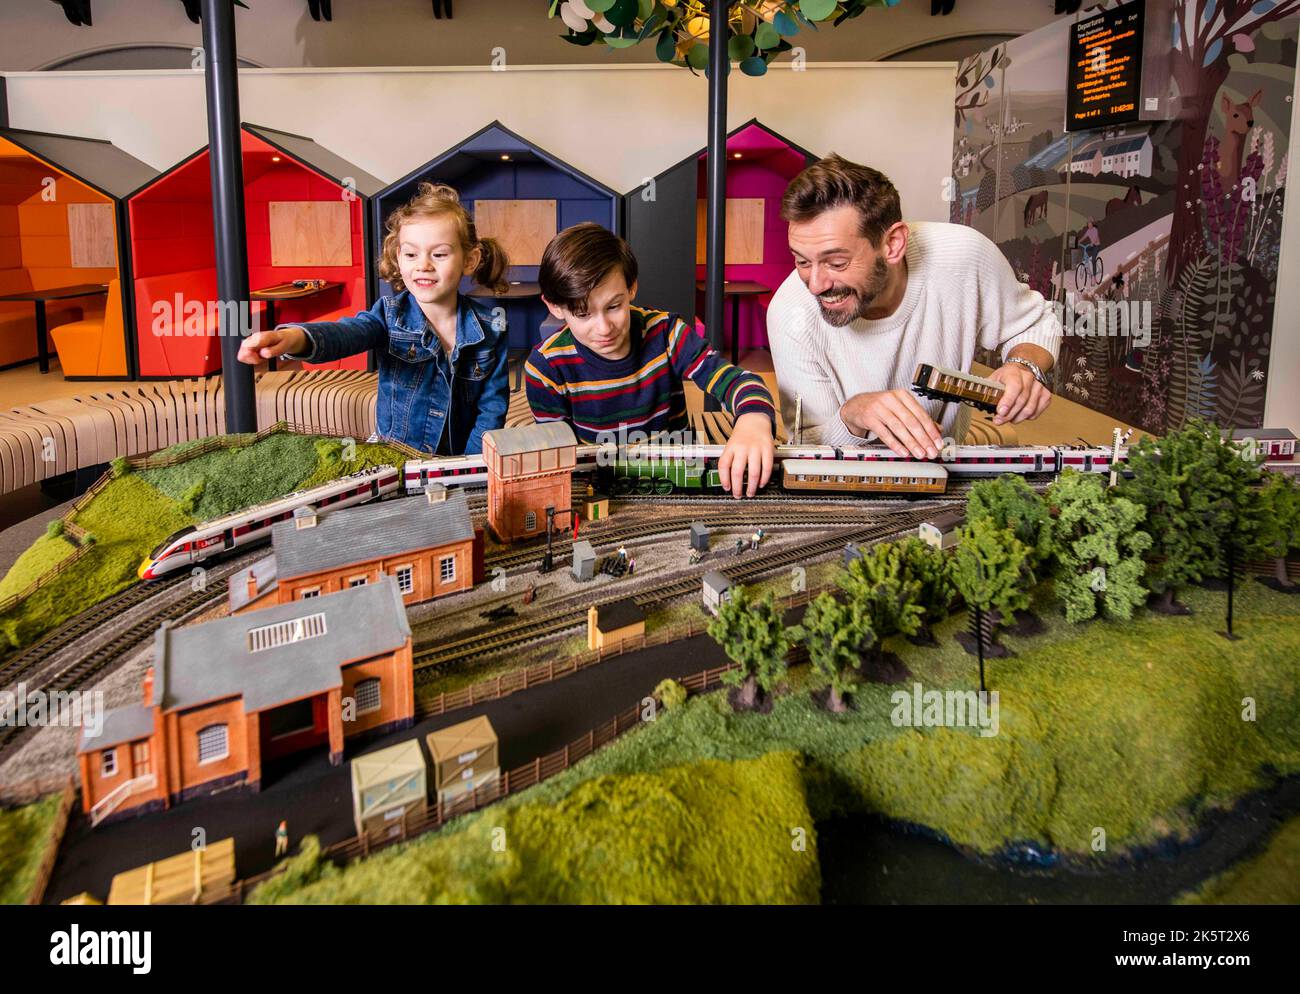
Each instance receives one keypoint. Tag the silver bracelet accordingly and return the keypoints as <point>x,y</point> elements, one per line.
<point>1031,366</point>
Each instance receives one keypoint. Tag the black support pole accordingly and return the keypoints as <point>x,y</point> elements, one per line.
<point>221,86</point>
<point>716,224</point>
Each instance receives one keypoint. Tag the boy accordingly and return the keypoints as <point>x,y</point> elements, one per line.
<point>615,367</point>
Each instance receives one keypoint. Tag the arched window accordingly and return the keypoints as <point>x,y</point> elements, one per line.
<point>367,695</point>
<point>214,743</point>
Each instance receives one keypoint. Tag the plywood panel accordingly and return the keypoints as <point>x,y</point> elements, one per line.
<point>310,233</point>
<point>744,231</point>
<point>523,227</point>
<point>91,236</point>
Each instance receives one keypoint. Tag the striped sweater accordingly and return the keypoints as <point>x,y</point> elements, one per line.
<point>566,381</point>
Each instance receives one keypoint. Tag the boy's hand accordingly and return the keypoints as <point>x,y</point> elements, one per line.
<point>272,344</point>
<point>750,449</point>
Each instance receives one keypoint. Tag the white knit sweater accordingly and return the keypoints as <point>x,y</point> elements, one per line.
<point>961,292</point>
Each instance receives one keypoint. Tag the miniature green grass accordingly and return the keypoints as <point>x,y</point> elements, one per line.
<point>38,559</point>
<point>1272,877</point>
<point>706,833</point>
<point>136,511</point>
<point>234,478</point>
<point>1134,728</point>
<point>24,833</point>
<point>127,519</point>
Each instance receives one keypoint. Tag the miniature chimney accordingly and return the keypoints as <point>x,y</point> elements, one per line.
<point>304,517</point>
<point>252,584</point>
<point>436,493</point>
<point>146,687</point>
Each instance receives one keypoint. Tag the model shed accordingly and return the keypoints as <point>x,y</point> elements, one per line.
<point>388,786</point>
<point>466,757</point>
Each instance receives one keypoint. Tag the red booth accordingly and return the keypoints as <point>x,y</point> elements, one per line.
<point>305,214</point>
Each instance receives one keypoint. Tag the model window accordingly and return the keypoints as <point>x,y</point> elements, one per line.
<point>405,579</point>
<point>367,695</point>
<point>357,581</point>
<point>108,763</point>
<point>530,521</point>
<point>309,592</point>
<point>214,743</point>
<point>447,568</point>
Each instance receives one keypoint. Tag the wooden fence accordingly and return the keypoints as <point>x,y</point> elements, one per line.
<point>512,781</point>
<point>495,688</point>
<point>55,839</point>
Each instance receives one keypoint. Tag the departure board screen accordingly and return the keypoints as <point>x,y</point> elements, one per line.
<point>1105,74</point>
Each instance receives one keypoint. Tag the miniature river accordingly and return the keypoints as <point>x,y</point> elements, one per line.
<point>868,860</point>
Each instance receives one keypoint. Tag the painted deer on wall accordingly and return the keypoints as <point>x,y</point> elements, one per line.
<point>1238,119</point>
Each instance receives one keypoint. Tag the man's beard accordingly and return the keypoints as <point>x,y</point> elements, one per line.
<point>866,296</point>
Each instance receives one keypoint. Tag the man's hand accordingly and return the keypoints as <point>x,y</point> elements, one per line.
<point>897,418</point>
<point>1024,398</point>
<point>750,449</point>
<point>272,344</point>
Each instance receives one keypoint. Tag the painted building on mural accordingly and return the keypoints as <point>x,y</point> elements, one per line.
<point>427,544</point>
<point>224,697</point>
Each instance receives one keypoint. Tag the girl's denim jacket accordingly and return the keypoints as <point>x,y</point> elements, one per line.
<point>421,393</point>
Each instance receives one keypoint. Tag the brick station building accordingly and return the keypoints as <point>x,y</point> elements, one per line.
<point>226,696</point>
<point>530,469</point>
<point>427,543</point>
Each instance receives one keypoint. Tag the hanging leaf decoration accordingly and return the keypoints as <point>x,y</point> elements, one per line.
<point>757,29</point>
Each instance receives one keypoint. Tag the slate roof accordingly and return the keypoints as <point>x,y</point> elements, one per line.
<point>212,661</point>
<point>716,581</point>
<point>125,724</point>
<point>531,438</point>
<point>947,520</point>
<point>262,572</point>
<point>618,614</point>
<point>349,536</point>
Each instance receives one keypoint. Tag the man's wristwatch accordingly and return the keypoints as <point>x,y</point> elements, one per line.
<point>1031,366</point>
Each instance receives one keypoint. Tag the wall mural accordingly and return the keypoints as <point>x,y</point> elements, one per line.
<point>1158,242</point>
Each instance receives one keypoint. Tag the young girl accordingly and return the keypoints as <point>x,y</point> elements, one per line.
<point>442,356</point>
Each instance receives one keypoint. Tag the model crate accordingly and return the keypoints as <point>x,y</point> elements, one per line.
<point>184,879</point>
<point>463,755</point>
<point>387,787</point>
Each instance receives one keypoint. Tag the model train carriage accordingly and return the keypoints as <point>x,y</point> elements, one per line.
<point>864,477</point>
<point>942,383</point>
<point>653,475</point>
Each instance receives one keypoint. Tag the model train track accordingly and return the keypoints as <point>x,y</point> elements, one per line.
<point>555,623</point>
<point>103,657</point>
<point>624,533</point>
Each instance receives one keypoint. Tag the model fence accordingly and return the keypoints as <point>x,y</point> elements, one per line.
<point>45,869</point>
<point>512,781</point>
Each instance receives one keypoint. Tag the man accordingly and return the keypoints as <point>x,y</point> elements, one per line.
<point>872,296</point>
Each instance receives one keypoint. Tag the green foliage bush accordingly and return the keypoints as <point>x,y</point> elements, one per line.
<point>119,467</point>
<point>645,838</point>
<point>671,694</point>
<point>54,529</point>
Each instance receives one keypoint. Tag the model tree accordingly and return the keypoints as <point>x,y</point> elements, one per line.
<point>836,635</point>
<point>988,570</point>
<point>752,633</point>
<point>1279,528</point>
<point>877,585</point>
<point>928,568</point>
<point>1098,564</point>
<point>1238,519</point>
<point>1177,481</point>
<point>1010,503</point>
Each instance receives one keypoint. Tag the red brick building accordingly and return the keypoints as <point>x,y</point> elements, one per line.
<point>427,543</point>
<point>530,470</point>
<point>226,696</point>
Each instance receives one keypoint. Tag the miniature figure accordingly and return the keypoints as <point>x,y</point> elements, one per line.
<point>281,839</point>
